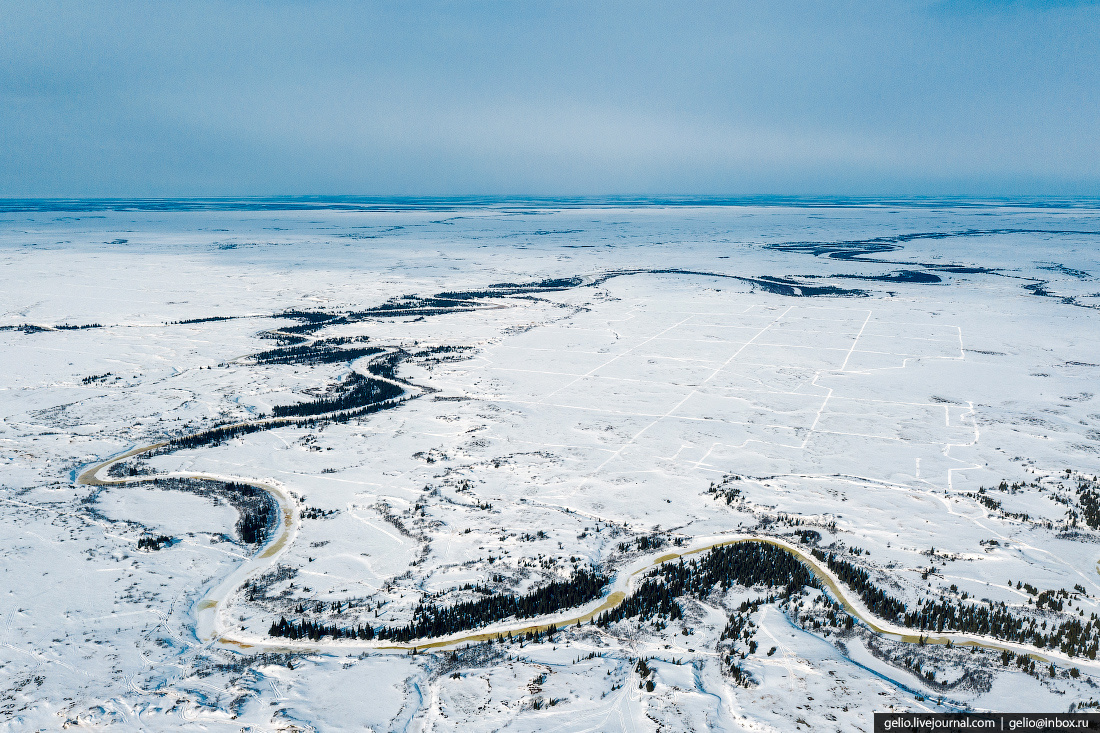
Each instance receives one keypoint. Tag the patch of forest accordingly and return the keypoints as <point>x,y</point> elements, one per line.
<point>451,301</point>
<point>752,564</point>
<point>1074,637</point>
<point>356,396</point>
<point>218,435</point>
<point>386,366</point>
<point>415,305</point>
<point>356,392</point>
<point>858,579</point>
<point>207,319</point>
<point>793,288</point>
<point>430,620</point>
<point>257,510</point>
<point>323,351</point>
<point>860,250</point>
<point>1083,508</point>
<point>154,542</point>
<point>503,290</point>
<point>1088,497</point>
<point>310,321</point>
<point>776,285</point>
<point>902,276</point>
<point>746,564</point>
<point>32,328</point>
<point>440,354</point>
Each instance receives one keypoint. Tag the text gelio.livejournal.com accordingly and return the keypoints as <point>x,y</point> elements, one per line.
<point>914,722</point>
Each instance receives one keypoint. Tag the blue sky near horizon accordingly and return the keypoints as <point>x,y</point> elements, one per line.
<point>451,98</point>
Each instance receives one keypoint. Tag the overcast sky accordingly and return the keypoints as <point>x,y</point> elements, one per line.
<point>173,98</point>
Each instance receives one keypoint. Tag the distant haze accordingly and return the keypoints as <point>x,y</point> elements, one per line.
<point>195,98</point>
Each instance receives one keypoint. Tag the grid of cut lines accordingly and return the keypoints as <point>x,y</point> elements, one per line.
<point>682,357</point>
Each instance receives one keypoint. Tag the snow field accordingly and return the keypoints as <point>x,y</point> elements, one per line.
<point>591,415</point>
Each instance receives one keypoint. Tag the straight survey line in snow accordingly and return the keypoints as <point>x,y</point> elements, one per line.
<point>690,394</point>
<point>825,402</point>
<point>758,334</point>
<point>637,435</point>
<point>817,418</point>
<point>614,358</point>
<point>855,341</point>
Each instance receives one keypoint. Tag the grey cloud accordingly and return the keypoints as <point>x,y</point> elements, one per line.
<point>486,97</point>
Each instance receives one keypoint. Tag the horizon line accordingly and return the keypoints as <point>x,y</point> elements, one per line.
<point>375,202</point>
